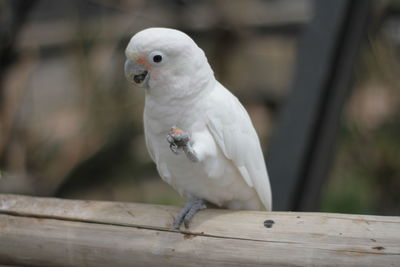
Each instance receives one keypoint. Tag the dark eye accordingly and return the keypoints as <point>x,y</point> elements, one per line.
<point>157,58</point>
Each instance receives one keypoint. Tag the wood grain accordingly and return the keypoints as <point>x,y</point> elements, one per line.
<point>49,232</point>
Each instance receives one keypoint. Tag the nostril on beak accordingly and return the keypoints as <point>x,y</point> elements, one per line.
<point>139,78</point>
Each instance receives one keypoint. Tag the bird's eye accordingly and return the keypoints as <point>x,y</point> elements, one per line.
<point>156,57</point>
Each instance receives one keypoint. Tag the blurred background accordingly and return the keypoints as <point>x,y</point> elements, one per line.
<point>71,125</point>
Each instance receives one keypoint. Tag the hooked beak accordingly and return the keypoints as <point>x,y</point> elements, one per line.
<point>136,74</point>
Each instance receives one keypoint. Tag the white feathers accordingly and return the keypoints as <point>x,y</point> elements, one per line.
<point>183,92</point>
<point>235,134</point>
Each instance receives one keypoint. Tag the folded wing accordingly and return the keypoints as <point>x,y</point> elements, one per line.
<point>234,133</point>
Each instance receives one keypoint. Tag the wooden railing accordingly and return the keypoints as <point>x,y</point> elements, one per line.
<point>58,232</point>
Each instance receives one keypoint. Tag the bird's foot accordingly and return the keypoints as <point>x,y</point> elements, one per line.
<point>188,211</point>
<point>179,141</point>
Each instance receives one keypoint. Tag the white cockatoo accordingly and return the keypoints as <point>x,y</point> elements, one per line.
<point>197,132</point>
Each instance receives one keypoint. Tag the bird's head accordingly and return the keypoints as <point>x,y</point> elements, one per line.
<point>166,61</point>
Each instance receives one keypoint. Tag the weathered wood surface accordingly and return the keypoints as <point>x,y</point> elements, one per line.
<point>57,232</point>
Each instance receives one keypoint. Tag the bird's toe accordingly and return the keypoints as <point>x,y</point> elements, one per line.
<point>177,223</point>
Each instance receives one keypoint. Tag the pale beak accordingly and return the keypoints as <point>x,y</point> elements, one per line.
<point>136,74</point>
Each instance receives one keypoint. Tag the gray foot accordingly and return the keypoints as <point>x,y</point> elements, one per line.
<point>179,141</point>
<point>191,208</point>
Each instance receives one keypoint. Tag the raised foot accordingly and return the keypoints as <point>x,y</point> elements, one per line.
<point>179,141</point>
<point>188,211</point>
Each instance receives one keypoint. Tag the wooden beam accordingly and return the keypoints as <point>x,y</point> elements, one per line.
<point>57,232</point>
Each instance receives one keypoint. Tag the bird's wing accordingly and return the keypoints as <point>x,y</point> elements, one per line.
<point>234,133</point>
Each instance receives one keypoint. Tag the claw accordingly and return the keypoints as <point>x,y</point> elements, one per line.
<point>170,139</point>
<point>174,148</point>
<point>188,211</point>
<point>179,141</point>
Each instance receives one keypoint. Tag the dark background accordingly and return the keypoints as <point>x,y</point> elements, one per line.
<point>71,125</point>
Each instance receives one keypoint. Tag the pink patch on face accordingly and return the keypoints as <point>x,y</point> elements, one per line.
<point>144,63</point>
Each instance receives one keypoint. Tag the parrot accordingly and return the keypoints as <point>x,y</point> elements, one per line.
<point>197,132</point>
